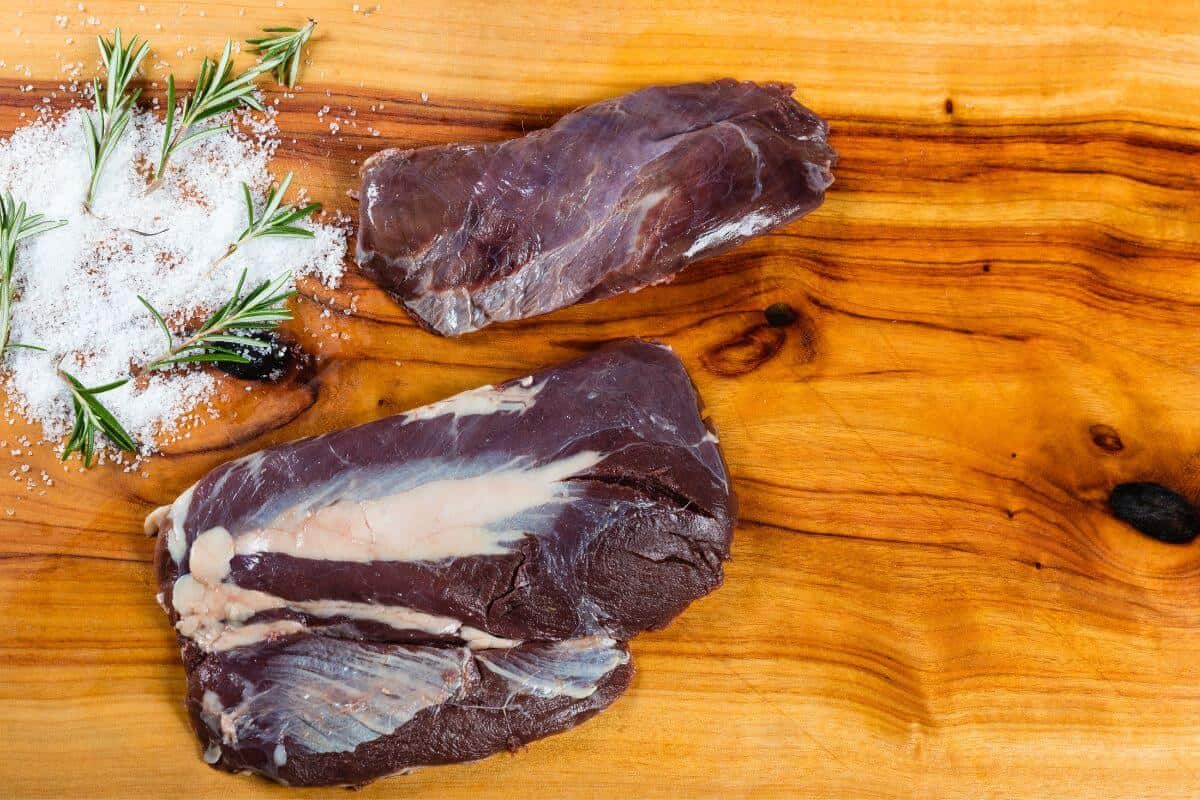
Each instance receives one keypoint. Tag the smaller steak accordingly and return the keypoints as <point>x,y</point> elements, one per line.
<point>612,198</point>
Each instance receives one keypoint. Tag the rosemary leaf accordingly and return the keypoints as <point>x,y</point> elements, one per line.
<point>212,356</point>
<point>162,323</point>
<point>91,417</point>
<point>282,51</point>
<point>229,338</point>
<point>216,92</point>
<point>16,224</point>
<point>259,309</point>
<point>275,220</point>
<point>114,105</point>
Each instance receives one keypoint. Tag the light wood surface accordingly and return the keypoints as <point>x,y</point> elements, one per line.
<point>998,307</point>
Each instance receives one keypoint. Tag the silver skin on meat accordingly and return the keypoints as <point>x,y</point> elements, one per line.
<point>444,584</point>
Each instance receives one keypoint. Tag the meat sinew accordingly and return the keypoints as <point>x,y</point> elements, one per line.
<point>614,197</point>
<point>440,585</point>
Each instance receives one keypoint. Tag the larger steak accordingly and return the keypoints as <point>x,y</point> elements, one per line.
<point>440,585</point>
<point>614,197</point>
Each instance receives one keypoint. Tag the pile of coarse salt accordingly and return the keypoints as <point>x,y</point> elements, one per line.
<point>78,286</point>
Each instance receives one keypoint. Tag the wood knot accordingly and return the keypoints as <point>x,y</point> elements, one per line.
<point>756,345</point>
<point>780,315</point>
<point>1156,511</point>
<point>949,106</point>
<point>1106,438</point>
<point>745,352</point>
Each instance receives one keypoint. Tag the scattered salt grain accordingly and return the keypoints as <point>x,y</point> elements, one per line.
<point>78,285</point>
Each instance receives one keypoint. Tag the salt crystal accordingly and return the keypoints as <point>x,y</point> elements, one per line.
<point>78,285</point>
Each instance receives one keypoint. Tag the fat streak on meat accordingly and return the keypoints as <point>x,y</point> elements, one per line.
<point>612,198</point>
<point>444,584</point>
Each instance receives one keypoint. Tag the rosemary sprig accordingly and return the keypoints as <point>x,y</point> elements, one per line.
<point>216,92</point>
<point>277,218</point>
<point>259,309</point>
<point>283,50</point>
<point>91,416</point>
<point>16,224</point>
<point>113,104</point>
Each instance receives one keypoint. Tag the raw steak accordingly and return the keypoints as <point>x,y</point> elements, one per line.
<point>440,585</point>
<point>613,197</point>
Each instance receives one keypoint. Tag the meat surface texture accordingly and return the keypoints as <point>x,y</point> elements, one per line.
<point>444,584</point>
<point>612,198</point>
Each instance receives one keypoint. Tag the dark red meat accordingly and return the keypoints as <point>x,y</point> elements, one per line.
<point>439,585</point>
<point>612,198</point>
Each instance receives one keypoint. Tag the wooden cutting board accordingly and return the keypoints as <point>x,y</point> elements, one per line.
<point>997,312</point>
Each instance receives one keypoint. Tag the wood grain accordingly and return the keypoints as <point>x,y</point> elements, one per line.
<point>995,324</point>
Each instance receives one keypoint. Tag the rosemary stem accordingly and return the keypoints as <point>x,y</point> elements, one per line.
<point>91,192</point>
<point>95,179</point>
<point>233,246</point>
<point>228,252</point>
<point>160,173</point>
<point>166,355</point>
<point>6,299</point>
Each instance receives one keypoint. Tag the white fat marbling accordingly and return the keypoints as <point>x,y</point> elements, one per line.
<point>482,640</point>
<point>573,668</point>
<point>331,696</point>
<point>228,637</point>
<point>176,541</point>
<point>213,611</point>
<point>211,555</point>
<point>154,520</point>
<point>457,516</point>
<point>513,399</point>
<point>413,514</point>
